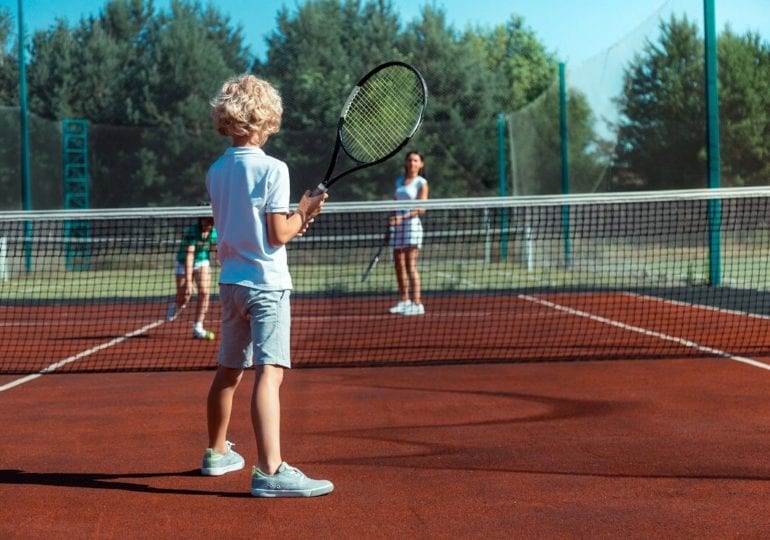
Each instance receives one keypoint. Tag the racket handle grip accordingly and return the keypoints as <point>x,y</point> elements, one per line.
<point>320,188</point>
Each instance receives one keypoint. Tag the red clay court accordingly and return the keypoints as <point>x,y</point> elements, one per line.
<point>670,443</point>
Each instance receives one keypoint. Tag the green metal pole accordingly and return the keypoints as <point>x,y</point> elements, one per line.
<point>26,191</point>
<point>712,142</point>
<point>502,184</point>
<point>564,136</point>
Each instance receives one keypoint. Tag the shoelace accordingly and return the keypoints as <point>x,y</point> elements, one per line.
<point>293,470</point>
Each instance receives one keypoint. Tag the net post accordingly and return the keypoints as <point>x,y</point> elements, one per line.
<point>529,248</point>
<point>3,259</point>
<point>487,236</point>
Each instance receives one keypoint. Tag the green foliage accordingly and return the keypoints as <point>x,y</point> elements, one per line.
<point>9,71</point>
<point>744,95</point>
<point>461,119</point>
<point>314,59</point>
<point>519,60</point>
<point>143,78</point>
<point>9,149</point>
<point>661,136</point>
<point>135,66</point>
<point>662,133</point>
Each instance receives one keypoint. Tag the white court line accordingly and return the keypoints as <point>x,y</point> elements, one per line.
<point>56,365</point>
<point>698,306</point>
<point>645,331</point>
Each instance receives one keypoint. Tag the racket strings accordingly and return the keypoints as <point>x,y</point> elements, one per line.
<point>385,111</point>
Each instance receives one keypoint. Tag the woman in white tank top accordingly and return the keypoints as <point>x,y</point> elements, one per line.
<point>406,235</point>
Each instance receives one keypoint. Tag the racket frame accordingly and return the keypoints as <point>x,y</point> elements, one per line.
<point>376,259</point>
<point>328,178</point>
<point>372,263</point>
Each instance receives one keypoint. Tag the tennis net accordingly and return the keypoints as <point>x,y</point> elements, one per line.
<point>676,274</point>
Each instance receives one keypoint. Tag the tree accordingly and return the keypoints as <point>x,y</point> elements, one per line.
<point>662,126</point>
<point>460,128</point>
<point>9,118</point>
<point>662,132</point>
<point>143,78</point>
<point>9,71</point>
<point>316,54</point>
<point>524,80</point>
<point>513,52</point>
<point>314,58</point>
<point>744,109</point>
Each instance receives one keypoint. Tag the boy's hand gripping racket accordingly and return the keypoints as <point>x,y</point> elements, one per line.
<point>380,115</point>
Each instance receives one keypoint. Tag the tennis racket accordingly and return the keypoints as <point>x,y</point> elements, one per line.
<point>376,258</point>
<point>372,263</point>
<point>381,114</point>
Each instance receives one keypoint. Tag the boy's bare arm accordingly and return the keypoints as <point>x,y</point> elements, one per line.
<point>281,228</point>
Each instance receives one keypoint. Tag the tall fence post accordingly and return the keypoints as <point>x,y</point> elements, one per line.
<point>564,136</point>
<point>502,180</point>
<point>712,143</point>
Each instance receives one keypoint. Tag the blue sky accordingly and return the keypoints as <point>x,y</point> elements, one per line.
<point>575,31</point>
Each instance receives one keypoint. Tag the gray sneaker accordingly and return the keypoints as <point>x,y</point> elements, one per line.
<point>288,481</point>
<point>216,464</point>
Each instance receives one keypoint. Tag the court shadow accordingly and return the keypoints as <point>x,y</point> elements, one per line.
<point>116,481</point>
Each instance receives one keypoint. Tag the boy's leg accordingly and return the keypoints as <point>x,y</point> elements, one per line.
<point>219,406</point>
<point>266,416</point>
<point>274,477</point>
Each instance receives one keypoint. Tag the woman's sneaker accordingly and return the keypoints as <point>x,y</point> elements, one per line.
<point>401,307</point>
<point>414,309</point>
<point>216,464</point>
<point>287,481</point>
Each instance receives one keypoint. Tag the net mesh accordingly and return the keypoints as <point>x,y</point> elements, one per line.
<point>583,277</point>
<point>594,92</point>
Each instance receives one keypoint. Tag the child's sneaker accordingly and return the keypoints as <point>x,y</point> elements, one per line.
<point>401,307</point>
<point>203,334</point>
<point>216,464</point>
<point>288,481</point>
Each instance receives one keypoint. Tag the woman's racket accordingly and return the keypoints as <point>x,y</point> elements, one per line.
<point>376,258</point>
<point>372,263</point>
<point>380,115</point>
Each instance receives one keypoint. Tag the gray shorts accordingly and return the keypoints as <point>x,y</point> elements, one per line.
<point>255,327</point>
